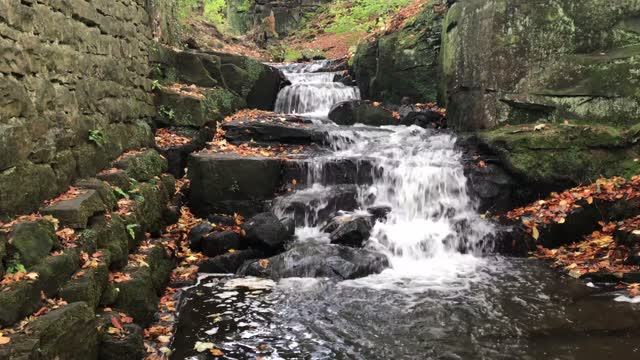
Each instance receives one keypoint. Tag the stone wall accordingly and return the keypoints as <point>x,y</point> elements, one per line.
<point>522,61</point>
<point>244,15</point>
<point>75,93</point>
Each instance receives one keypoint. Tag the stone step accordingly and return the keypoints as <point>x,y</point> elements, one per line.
<point>176,144</point>
<point>76,212</point>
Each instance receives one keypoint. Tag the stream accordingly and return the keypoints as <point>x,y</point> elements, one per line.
<point>445,295</point>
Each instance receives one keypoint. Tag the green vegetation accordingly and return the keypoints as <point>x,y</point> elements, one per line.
<point>212,11</point>
<point>97,137</point>
<point>362,15</point>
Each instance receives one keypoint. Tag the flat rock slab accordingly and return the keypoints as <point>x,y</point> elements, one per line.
<point>218,180</point>
<point>75,213</point>
<point>274,130</point>
<point>361,112</point>
<point>318,260</point>
<point>33,240</point>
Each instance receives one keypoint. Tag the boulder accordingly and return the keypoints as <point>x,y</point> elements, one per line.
<point>318,260</point>
<point>227,182</point>
<point>379,212</point>
<point>75,213</point>
<point>229,263</point>
<point>221,242</point>
<point>138,297</point>
<point>361,112</point>
<point>265,231</point>
<point>33,240</point>
<point>514,61</point>
<point>142,166</point>
<point>353,233</point>
<point>197,233</point>
<point>424,118</point>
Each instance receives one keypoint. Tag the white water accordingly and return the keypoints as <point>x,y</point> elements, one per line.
<point>312,92</point>
<point>433,235</point>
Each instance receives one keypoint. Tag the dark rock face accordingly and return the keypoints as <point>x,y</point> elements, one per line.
<point>404,63</point>
<point>318,260</point>
<point>379,212</point>
<point>361,112</point>
<point>231,183</point>
<point>353,233</point>
<point>178,156</point>
<point>266,232</point>
<point>424,118</point>
<point>220,243</point>
<point>334,172</point>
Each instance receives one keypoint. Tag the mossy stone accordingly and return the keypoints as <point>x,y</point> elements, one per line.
<point>112,235</point>
<point>33,240</point>
<point>17,301</point>
<point>75,213</point>
<point>88,287</point>
<point>54,271</point>
<point>105,192</point>
<point>143,166</point>
<point>128,347</point>
<point>137,297</point>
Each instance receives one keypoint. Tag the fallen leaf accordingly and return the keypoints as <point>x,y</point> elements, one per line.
<point>535,233</point>
<point>216,352</point>
<point>4,340</point>
<point>202,346</point>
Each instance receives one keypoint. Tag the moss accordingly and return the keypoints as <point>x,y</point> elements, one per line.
<point>565,154</point>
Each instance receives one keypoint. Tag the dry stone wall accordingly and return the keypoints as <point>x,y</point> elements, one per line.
<point>74,93</point>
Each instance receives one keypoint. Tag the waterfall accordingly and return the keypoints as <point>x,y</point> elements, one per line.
<point>416,172</point>
<point>313,90</point>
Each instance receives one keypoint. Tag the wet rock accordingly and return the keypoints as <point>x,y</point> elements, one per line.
<point>220,243</point>
<point>222,182</point>
<point>290,225</point>
<point>353,233</point>
<point>379,212</point>
<point>33,240</point>
<point>75,213</point>
<point>350,171</point>
<point>272,132</point>
<point>318,260</point>
<point>361,112</point>
<point>314,206</point>
<point>266,232</point>
<point>127,347</point>
<point>142,166</point>
<point>219,219</point>
<point>423,118</point>
<point>197,233</point>
<point>66,333</point>
<point>229,263</point>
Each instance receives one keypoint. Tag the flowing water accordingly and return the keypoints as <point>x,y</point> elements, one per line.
<point>444,297</point>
